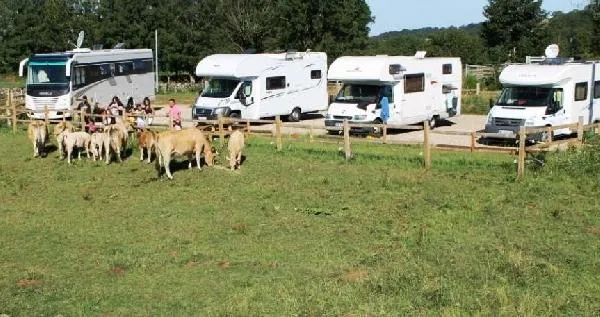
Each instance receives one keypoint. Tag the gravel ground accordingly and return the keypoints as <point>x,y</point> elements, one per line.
<point>463,123</point>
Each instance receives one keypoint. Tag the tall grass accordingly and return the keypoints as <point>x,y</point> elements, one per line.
<point>297,232</point>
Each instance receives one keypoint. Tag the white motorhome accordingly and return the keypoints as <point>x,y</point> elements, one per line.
<point>255,86</point>
<point>553,92</point>
<point>55,80</point>
<point>417,89</point>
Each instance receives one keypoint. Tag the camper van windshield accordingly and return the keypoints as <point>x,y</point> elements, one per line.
<point>46,73</point>
<point>220,88</point>
<point>526,96</point>
<point>358,93</point>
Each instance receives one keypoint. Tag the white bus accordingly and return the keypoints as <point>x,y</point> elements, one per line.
<point>255,86</point>
<point>57,80</point>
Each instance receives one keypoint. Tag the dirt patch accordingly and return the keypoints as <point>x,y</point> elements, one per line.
<point>27,283</point>
<point>355,275</point>
<point>173,254</point>
<point>594,230</point>
<point>118,271</point>
<point>224,264</point>
<point>239,227</point>
<point>191,264</point>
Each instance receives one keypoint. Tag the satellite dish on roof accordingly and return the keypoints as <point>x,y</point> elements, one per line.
<point>552,51</point>
<point>80,39</point>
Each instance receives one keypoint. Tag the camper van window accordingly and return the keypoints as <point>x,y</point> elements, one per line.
<point>89,74</point>
<point>244,91</point>
<point>219,88</point>
<point>581,91</point>
<point>524,96</point>
<point>414,83</point>
<point>274,83</point>
<point>596,89</point>
<point>355,93</point>
<point>315,74</point>
<point>124,68</point>
<point>447,69</point>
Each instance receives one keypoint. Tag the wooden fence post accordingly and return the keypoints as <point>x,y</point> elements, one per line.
<point>477,89</point>
<point>347,149</point>
<point>81,117</point>
<point>248,127</point>
<point>426,145</point>
<point>64,116</point>
<point>549,132</point>
<point>580,129</point>
<point>385,134</point>
<point>522,153</point>
<point>473,137</point>
<point>310,135</point>
<point>278,133</point>
<point>221,130</point>
<point>46,115</point>
<point>13,107</point>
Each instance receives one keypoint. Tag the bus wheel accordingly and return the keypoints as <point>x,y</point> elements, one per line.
<point>295,115</point>
<point>235,115</point>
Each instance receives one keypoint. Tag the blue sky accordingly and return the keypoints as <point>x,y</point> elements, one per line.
<point>395,15</point>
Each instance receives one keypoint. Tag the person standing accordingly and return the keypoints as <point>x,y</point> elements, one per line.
<point>147,109</point>
<point>175,114</point>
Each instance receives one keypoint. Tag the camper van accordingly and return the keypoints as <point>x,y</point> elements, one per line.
<point>415,89</point>
<point>55,80</point>
<point>547,93</point>
<point>255,86</point>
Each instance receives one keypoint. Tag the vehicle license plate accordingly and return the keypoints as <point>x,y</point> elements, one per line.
<point>201,118</point>
<point>338,124</point>
<point>505,132</point>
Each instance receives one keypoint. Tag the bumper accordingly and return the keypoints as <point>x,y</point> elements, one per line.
<point>51,114</point>
<point>329,123</point>
<point>508,133</point>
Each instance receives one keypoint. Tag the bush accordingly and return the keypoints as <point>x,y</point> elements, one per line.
<point>584,161</point>
<point>470,81</point>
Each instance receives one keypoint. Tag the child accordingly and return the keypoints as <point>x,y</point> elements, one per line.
<point>175,114</point>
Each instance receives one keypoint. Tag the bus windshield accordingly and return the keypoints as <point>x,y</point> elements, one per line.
<point>528,96</point>
<point>40,73</point>
<point>219,88</point>
<point>358,93</point>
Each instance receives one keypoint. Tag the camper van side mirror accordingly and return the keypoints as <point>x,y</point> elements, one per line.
<point>491,103</point>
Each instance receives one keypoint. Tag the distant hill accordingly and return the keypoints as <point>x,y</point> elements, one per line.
<point>472,28</point>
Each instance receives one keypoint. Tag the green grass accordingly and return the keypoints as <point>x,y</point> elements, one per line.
<point>182,98</point>
<point>11,81</point>
<point>478,104</point>
<point>299,232</point>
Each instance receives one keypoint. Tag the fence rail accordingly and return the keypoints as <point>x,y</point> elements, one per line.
<point>13,112</point>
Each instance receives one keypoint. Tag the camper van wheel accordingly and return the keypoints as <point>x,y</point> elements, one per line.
<point>235,115</point>
<point>545,136</point>
<point>433,122</point>
<point>377,131</point>
<point>295,115</point>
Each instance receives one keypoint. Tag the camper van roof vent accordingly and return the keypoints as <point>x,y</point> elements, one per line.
<point>119,46</point>
<point>291,54</point>
<point>420,54</point>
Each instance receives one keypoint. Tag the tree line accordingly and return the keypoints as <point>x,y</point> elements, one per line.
<point>187,29</point>
<point>512,30</point>
<point>191,29</point>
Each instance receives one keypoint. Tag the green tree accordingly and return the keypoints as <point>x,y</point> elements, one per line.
<point>514,29</point>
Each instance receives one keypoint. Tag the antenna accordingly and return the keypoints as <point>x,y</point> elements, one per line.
<point>119,46</point>
<point>80,39</point>
<point>552,51</point>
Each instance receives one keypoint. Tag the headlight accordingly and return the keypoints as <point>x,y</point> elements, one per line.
<point>222,111</point>
<point>490,119</point>
<point>360,117</point>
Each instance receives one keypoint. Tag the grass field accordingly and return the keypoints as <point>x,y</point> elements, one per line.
<point>296,233</point>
